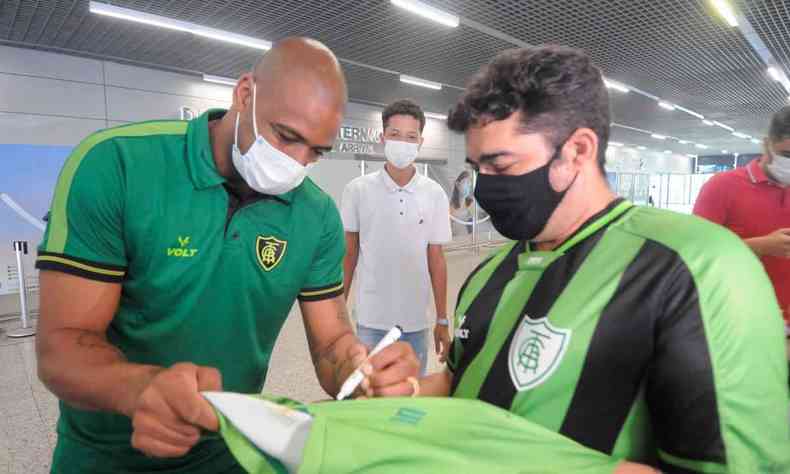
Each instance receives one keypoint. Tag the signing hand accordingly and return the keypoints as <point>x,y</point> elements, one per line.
<point>388,372</point>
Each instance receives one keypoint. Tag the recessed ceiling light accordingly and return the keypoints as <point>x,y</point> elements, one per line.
<point>435,116</point>
<point>726,12</point>
<point>429,12</point>
<point>667,151</point>
<point>640,147</point>
<point>755,141</point>
<point>416,81</point>
<point>725,127</point>
<point>683,142</point>
<point>219,80</point>
<point>178,25</point>
<point>690,112</point>
<point>616,86</point>
<point>701,146</point>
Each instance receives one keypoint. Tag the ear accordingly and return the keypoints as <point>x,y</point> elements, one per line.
<point>242,93</point>
<point>422,139</point>
<point>581,148</point>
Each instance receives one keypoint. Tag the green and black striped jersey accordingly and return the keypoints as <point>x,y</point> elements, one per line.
<point>648,335</point>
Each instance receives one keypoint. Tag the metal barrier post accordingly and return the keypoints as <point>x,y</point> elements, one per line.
<point>26,330</point>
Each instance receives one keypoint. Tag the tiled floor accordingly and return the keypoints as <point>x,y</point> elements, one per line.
<point>28,412</point>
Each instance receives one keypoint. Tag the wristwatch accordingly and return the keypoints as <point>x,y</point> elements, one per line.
<point>442,322</point>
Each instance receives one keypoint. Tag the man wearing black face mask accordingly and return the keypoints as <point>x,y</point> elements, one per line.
<point>621,327</point>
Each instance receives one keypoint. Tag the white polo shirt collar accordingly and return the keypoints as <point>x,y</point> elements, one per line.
<point>393,187</point>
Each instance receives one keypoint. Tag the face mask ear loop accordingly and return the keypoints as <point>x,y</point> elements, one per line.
<point>254,122</point>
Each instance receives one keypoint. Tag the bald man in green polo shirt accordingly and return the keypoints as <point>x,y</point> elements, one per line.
<point>172,257</point>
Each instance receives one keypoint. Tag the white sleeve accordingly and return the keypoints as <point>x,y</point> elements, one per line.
<point>349,208</point>
<point>440,223</point>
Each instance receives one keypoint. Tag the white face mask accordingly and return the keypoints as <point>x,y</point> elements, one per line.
<point>779,167</point>
<point>264,168</point>
<point>400,154</point>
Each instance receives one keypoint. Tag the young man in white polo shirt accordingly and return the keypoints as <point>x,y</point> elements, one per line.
<point>396,221</point>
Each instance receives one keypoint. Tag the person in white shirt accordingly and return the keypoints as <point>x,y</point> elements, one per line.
<point>396,221</point>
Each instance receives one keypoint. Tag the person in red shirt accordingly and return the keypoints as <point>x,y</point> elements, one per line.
<point>754,202</point>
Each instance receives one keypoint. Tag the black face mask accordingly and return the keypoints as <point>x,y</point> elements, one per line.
<point>519,206</point>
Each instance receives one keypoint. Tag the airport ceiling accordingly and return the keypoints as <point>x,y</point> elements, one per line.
<point>680,51</point>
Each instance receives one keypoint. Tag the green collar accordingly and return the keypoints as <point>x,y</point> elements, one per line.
<point>541,259</point>
<point>200,157</point>
<point>595,226</point>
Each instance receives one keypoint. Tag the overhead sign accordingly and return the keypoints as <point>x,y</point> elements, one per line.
<point>357,140</point>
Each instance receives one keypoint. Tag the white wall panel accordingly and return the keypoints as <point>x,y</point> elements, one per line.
<point>50,97</point>
<point>50,65</point>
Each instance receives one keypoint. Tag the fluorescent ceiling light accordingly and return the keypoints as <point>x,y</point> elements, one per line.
<point>420,82</point>
<point>667,151</point>
<point>427,11</point>
<point>616,86</point>
<point>658,137</point>
<point>741,135</point>
<point>683,142</point>
<point>691,156</point>
<point>666,105</point>
<point>435,116</point>
<point>690,112</point>
<point>725,151</point>
<point>615,143</point>
<point>178,25</point>
<point>755,141</point>
<point>774,73</point>
<point>725,127</point>
<point>640,147</point>
<point>708,123</point>
<point>701,146</point>
<point>219,80</point>
<point>726,11</point>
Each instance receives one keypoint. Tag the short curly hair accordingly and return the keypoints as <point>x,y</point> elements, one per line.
<point>780,125</point>
<point>403,107</point>
<point>557,90</point>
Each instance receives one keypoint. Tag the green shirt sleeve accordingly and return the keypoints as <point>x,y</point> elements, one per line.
<point>717,388</point>
<point>84,234</point>
<point>325,279</point>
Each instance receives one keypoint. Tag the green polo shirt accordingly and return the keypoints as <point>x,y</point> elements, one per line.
<point>143,205</point>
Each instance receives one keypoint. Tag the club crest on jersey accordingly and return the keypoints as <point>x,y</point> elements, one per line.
<point>536,351</point>
<point>270,251</point>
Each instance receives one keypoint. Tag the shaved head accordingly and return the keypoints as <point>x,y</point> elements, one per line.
<point>302,60</point>
<point>299,94</point>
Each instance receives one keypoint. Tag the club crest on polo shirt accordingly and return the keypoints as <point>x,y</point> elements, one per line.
<point>536,351</point>
<point>270,251</point>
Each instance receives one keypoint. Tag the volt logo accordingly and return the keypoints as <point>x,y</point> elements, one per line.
<point>182,250</point>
